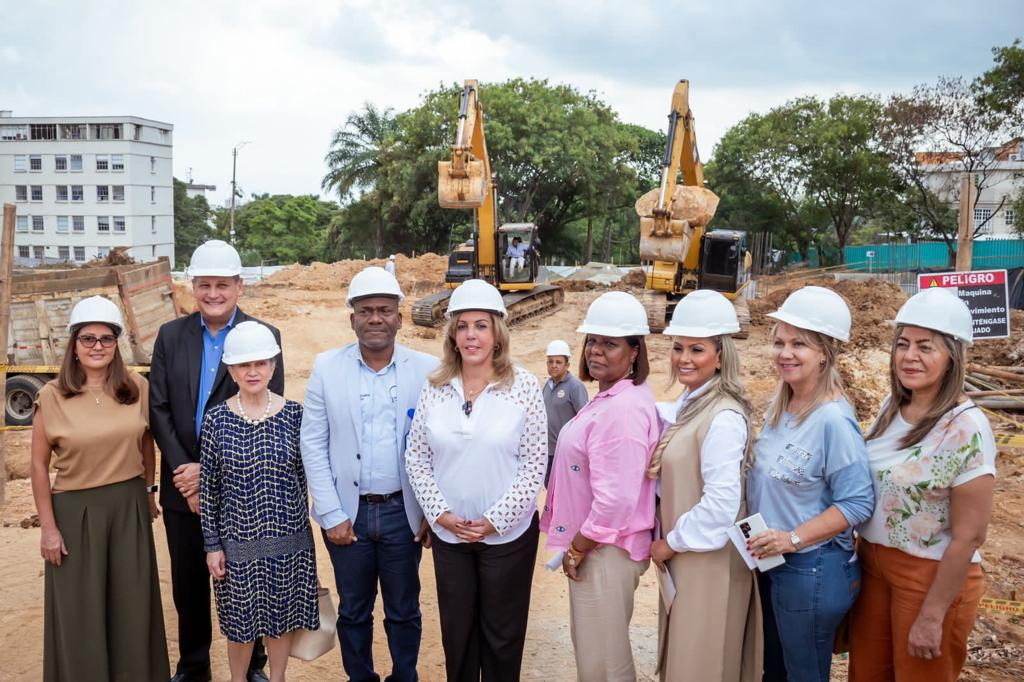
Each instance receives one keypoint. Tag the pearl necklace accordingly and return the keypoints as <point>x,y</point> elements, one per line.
<point>247,418</point>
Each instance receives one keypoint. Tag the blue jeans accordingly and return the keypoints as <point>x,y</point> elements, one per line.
<point>384,551</point>
<point>803,602</point>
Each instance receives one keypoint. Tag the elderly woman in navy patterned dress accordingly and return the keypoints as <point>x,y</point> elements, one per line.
<point>253,506</point>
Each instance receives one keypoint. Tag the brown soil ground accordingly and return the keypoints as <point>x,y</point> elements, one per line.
<point>307,305</point>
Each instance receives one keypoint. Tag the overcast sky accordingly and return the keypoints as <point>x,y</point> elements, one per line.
<point>284,75</point>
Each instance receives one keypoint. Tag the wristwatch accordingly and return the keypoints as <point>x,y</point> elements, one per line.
<point>795,539</point>
<point>152,488</point>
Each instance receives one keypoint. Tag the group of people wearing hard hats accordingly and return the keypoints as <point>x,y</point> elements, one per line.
<point>865,545</point>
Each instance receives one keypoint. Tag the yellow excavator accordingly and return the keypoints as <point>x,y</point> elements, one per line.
<point>683,255</point>
<point>506,256</point>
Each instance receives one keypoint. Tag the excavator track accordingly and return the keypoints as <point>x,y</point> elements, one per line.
<point>521,305</point>
<point>656,305</point>
<point>742,316</point>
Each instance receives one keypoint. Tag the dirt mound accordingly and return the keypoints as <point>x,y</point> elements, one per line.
<point>414,274</point>
<point>576,284</point>
<point>1000,352</point>
<point>117,256</point>
<point>635,278</point>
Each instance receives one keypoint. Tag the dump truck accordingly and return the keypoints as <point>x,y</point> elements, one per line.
<point>466,182</point>
<point>681,255</point>
<point>41,301</point>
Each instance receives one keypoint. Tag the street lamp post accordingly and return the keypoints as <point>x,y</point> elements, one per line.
<point>234,190</point>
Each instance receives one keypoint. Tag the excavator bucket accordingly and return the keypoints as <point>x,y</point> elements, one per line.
<point>666,240</point>
<point>461,189</point>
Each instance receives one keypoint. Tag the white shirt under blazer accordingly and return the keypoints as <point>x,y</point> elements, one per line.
<point>489,464</point>
<point>332,429</point>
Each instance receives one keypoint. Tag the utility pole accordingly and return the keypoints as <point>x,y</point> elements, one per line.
<point>234,191</point>
<point>965,235</point>
<point>6,265</point>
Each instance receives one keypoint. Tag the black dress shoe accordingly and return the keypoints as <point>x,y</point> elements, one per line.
<point>204,676</point>
<point>257,676</point>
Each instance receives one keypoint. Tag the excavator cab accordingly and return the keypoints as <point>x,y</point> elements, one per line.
<point>517,244</point>
<point>722,260</point>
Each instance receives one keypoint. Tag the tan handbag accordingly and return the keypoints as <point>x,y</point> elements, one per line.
<point>308,645</point>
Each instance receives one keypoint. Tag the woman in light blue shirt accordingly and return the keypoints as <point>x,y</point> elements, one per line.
<point>811,483</point>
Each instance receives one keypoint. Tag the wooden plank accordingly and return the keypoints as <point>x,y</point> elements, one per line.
<point>6,263</point>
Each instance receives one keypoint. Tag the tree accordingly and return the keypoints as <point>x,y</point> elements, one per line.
<point>191,223</point>
<point>1001,88</point>
<point>360,151</point>
<point>284,228</point>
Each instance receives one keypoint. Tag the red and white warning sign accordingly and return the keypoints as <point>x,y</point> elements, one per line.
<point>984,292</point>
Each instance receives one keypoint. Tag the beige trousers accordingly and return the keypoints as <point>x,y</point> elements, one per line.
<point>600,608</point>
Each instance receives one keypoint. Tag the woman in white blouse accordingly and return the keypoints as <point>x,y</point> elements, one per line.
<point>476,457</point>
<point>702,461</point>
<point>932,458</point>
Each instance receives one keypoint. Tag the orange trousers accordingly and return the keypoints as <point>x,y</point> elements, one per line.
<point>893,587</point>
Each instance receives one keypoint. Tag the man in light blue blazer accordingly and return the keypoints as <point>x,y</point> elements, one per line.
<point>358,408</point>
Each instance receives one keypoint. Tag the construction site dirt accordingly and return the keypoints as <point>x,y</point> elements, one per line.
<point>307,304</point>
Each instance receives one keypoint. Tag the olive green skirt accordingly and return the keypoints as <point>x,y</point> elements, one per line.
<point>104,620</point>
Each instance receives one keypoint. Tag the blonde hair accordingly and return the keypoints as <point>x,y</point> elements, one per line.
<point>829,382</point>
<point>451,361</point>
<point>726,384</point>
<point>899,395</point>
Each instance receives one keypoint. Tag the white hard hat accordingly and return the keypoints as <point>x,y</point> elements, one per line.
<point>249,341</point>
<point>96,309</point>
<point>559,347</point>
<point>476,294</point>
<point>373,281</point>
<point>615,313</point>
<point>940,310</point>
<point>215,258</point>
<point>391,257</point>
<point>702,314</point>
<point>816,309</point>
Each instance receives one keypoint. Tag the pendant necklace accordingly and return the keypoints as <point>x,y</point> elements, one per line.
<point>247,418</point>
<point>95,395</point>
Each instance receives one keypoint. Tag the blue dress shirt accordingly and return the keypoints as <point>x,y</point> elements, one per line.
<point>213,351</point>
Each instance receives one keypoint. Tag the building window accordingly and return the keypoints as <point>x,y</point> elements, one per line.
<point>76,163</point>
<point>35,163</point>
<point>1009,216</point>
<point>78,223</point>
<point>62,192</point>
<point>42,131</point>
<point>107,131</point>
<point>60,164</point>
<point>117,162</point>
<point>23,252</point>
<point>981,217</point>
<point>117,192</point>
<point>62,224</point>
<point>37,223</point>
<point>102,192</point>
<point>20,163</point>
<point>72,131</point>
<point>21,223</point>
<point>13,132</point>
<point>119,223</point>
<point>39,252</point>
<point>152,195</point>
<point>152,223</point>
<point>152,164</point>
<point>102,164</point>
<point>37,193</point>
<point>102,223</point>
<point>102,251</point>
<point>21,192</point>
<point>79,253</point>
<point>136,131</point>
<point>77,193</point>
<point>64,253</point>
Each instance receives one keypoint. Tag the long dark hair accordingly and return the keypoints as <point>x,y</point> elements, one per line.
<point>72,376</point>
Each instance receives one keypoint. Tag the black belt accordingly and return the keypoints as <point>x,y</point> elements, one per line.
<point>378,499</point>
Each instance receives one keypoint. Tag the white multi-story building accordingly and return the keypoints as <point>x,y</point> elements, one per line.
<point>1003,179</point>
<point>86,184</point>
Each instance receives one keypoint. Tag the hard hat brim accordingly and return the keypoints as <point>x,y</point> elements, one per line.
<point>351,301</point>
<point>931,328</point>
<point>448,314</point>
<point>252,356</point>
<point>699,332</point>
<point>213,272</point>
<point>801,323</point>
<point>616,332</point>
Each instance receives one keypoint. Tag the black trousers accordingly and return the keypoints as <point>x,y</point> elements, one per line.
<point>190,584</point>
<point>483,597</point>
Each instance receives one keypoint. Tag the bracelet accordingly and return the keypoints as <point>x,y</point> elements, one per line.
<point>575,556</point>
<point>152,488</point>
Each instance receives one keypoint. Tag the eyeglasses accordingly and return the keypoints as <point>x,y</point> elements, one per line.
<point>467,408</point>
<point>90,340</point>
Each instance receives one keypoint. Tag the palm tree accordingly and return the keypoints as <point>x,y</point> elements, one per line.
<point>357,157</point>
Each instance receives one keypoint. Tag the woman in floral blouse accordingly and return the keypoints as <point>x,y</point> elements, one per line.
<point>932,458</point>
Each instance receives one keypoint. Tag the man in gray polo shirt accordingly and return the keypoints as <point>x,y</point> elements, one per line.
<point>564,395</point>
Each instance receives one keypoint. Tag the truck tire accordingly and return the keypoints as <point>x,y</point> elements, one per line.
<point>21,394</point>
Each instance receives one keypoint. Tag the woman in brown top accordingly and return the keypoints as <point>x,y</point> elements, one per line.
<point>103,617</point>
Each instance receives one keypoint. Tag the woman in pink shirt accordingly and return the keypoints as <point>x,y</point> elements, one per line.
<point>600,503</point>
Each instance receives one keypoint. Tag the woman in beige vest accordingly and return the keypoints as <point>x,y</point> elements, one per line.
<point>712,630</point>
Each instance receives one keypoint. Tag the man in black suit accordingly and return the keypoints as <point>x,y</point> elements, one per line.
<point>187,378</point>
